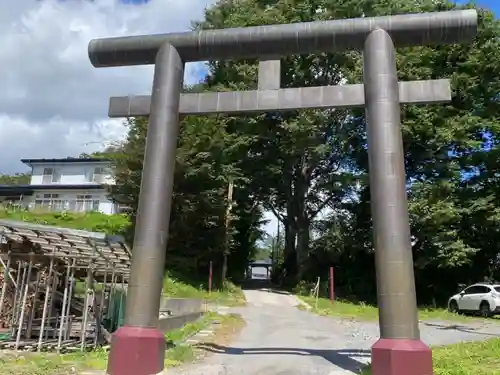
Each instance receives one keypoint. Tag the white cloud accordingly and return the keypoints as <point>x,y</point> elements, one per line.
<point>53,103</point>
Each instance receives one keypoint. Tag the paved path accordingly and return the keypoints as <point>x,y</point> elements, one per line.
<point>280,339</point>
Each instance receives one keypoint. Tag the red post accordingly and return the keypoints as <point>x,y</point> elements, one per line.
<point>332,293</point>
<point>210,278</point>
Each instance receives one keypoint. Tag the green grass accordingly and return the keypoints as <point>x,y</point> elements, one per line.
<point>53,364</point>
<point>174,288</point>
<point>469,358</point>
<point>366,312</point>
<point>182,352</point>
<point>230,296</point>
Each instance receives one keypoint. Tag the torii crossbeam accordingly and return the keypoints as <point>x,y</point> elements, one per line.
<point>138,347</point>
<point>322,97</point>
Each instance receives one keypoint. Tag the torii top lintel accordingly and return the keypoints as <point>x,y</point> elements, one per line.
<point>287,39</point>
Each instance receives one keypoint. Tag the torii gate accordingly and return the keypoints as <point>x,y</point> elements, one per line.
<point>138,347</point>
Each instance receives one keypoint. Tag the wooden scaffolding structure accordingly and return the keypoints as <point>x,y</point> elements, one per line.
<point>59,286</point>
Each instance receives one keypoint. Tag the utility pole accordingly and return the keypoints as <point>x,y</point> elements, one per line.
<point>273,255</point>
<point>227,242</point>
<point>278,243</point>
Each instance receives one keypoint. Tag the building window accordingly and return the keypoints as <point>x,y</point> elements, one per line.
<point>49,202</point>
<point>85,203</point>
<point>50,176</point>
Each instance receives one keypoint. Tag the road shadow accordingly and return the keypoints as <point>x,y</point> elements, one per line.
<point>341,358</point>
<point>460,328</point>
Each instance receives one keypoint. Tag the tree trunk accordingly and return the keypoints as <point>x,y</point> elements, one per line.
<point>302,222</point>
<point>290,238</point>
<point>289,258</point>
<point>302,249</point>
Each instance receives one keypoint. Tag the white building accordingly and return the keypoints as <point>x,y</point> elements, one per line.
<point>71,184</point>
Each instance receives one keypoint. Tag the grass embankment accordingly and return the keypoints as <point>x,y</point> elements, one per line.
<point>53,364</point>
<point>361,311</point>
<point>230,296</point>
<point>468,358</point>
<point>91,221</point>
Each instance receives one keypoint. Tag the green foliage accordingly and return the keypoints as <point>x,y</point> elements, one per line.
<point>207,159</point>
<point>296,158</point>
<point>303,162</point>
<point>15,179</point>
<point>262,254</point>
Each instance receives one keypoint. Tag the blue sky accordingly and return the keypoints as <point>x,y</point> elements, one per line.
<point>494,5</point>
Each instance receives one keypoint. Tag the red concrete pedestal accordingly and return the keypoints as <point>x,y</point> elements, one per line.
<point>136,351</point>
<point>401,357</point>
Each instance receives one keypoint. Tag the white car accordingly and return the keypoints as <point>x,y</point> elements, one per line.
<point>482,299</point>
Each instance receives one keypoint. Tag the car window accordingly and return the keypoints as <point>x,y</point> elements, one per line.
<point>483,289</point>
<point>469,290</point>
<point>476,289</point>
<point>497,289</point>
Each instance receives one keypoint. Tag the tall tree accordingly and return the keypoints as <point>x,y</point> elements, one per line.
<point>207,159</point>
<point>313,159</point>
<point>451,155</point>
<point>298,165</point>
<point>15,179</point>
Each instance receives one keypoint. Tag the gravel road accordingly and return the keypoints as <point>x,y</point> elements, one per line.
<point>280,339</point>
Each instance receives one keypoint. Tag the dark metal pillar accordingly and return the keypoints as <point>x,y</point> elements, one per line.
<point>138,348</point>
<point>153,213</point>
<point>399,351</point>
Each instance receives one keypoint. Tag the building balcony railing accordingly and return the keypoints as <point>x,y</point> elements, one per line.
<point>54,205</point>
